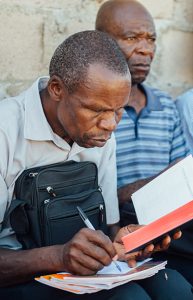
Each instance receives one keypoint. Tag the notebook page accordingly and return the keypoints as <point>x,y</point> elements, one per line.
<point>168,191</point>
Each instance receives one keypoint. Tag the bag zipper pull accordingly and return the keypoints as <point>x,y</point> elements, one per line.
<point>50,191</point>
<point>46,201</point>
<point>32,174</point>
<point>101,208</point>
<point>100,189</point>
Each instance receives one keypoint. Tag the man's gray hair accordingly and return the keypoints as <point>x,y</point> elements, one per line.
<point>72,58</point>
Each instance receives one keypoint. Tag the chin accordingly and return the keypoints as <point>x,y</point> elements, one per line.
<point>85,144</point>
<point>92,144</point>
<point>138,80</point>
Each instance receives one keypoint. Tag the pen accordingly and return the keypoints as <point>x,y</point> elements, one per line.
<point>89,225</point>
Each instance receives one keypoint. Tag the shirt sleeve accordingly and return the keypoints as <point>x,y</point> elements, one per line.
<point>108,181</point>
<point>4,153</point>
<point>179,148</point>
<point>184,105</point>
<point>7,236</point>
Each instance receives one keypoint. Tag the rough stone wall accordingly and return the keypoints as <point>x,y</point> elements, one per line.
<point>32,29</point>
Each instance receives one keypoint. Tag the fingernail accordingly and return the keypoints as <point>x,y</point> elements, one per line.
<point>115,257</point>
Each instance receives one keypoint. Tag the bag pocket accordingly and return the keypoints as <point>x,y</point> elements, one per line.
<point>60,218</point>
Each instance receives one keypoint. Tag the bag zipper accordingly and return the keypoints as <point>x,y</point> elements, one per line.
<point>31,173</point>
<point>57,186</point>
<point>49,201</point>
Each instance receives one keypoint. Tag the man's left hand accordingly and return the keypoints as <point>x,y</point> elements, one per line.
<point>131,258</point>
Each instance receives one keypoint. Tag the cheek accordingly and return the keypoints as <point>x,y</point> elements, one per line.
<point>126,49</point>
<point>153,50</point>
<point>118,117</point>
<point>86,123</point>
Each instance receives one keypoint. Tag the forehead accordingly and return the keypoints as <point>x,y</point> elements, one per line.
<point>125,18</point>
<point>105,87</point>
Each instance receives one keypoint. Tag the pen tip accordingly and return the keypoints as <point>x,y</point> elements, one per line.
<point>117,266</point>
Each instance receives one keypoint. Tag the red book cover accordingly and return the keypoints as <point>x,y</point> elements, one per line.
<point>143,236</point>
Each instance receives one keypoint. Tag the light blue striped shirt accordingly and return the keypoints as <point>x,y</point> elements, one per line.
<point>184,105</point>
<point>147,143</point>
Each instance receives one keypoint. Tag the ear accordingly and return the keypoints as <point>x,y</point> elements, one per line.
<point>56,88</point>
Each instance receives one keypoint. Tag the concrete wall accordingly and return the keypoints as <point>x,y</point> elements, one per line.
<point>32,29</point>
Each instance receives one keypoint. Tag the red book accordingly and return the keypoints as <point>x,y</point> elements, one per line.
<point>149,233</point>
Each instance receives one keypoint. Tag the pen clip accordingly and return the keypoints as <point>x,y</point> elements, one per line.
<point>85,218</point>
<point>81,213</point>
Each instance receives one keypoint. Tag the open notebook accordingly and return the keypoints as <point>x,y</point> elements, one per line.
<point>164,204</point>
<point>170,190</point>
<point>108,278</point>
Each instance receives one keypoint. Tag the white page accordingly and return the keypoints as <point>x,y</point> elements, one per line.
<point>168,191</point>
<point>111,269</point>
<point>91,284</point>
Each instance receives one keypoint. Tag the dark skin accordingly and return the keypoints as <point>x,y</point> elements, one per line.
<point>131,25</point>
<point>96,117</point>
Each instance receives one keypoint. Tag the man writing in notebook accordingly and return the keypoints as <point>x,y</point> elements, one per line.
<point>68,116</point>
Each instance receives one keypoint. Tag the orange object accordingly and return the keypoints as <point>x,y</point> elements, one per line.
<point>155,231</point>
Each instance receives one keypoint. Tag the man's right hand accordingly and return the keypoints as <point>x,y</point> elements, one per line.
<point>87,252</point>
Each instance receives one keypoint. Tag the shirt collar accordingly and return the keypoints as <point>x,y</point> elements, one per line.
<point>36,126</point>
<point>153,101</point>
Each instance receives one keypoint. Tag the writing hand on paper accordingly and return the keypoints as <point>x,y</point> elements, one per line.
<point>87,252</point>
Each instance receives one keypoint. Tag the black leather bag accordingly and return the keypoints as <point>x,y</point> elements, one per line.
<point>45,209</point>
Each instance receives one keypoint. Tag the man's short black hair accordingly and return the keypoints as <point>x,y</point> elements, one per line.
<point>72,58</point>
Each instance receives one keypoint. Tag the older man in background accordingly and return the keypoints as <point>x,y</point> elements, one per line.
<point>149,136</point>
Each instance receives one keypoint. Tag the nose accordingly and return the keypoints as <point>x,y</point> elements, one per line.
<point>145,47</point>
<point>109,123</point>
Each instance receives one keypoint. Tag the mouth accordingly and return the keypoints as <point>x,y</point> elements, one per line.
<point>100,142</point>
<point>144,67</point>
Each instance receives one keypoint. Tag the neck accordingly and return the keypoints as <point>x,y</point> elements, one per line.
<point>50,111</point>
<point>137,98</point>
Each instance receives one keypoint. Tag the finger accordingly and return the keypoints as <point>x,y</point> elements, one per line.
<point>147,252</point>
<point>90,263</point>
<point>166,242</point>
<point>131,228</point>
<point>76,262</point>
<point>132,256</point>
<point>97,238</point>
<point>132,263</point>
<point>88,257</point>
<point>116,257</point>
<point>163,245</point>
<point>97,253</point>
<point>141,255</point>
<point>103,241</point>
<point>126,230</point>
<point>93,244</point>
<point>78,268</point>
<point>148,249</point>
<point>177,235</point>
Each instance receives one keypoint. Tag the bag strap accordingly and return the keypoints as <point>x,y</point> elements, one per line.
<point>14,204</point>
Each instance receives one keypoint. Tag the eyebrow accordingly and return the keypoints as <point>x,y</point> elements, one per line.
<point>128,33</point>
<point>95,108</point>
